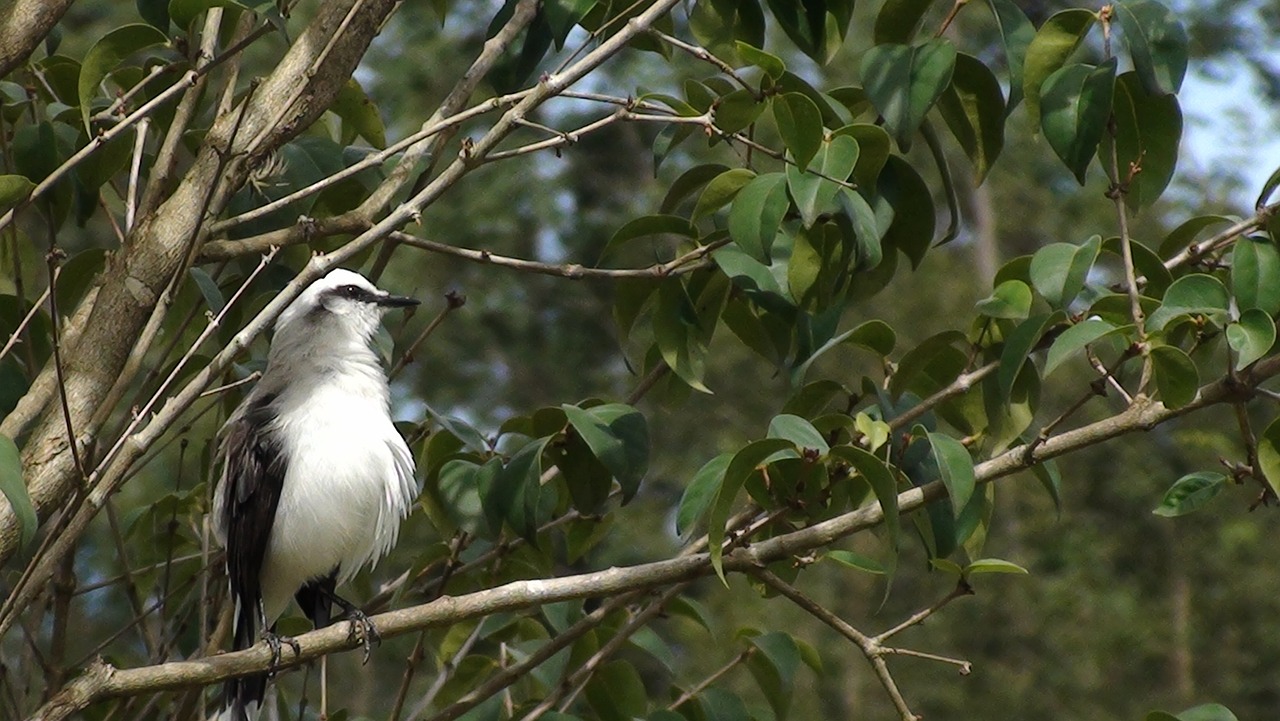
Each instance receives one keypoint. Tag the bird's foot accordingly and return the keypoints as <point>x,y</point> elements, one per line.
<point>362,628</point>
<point>277,643</point>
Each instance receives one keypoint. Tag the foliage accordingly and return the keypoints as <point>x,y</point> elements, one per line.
<point>168,181</point>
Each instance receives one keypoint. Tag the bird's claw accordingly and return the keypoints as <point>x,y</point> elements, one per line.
<point>361,627</point>
<point>277,643</point>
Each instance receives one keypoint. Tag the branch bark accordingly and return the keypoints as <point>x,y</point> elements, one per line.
<point>23,26</point>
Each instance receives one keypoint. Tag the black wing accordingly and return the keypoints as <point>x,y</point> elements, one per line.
<point>254,476</point>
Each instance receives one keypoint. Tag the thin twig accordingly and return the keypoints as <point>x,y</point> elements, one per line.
<point>452,302</point>
<point>13,337</point>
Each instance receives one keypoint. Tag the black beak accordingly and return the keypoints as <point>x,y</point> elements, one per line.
<point>396,301</point>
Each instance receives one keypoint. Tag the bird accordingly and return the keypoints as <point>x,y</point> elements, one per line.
<point>315,477</point>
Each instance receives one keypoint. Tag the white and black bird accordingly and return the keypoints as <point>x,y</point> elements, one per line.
<point>316,479</point>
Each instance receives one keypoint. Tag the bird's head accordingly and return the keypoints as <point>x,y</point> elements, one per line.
<point>342,300</point>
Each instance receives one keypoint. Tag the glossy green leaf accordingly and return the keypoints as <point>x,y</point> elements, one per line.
<point>13,190</point>
<point>15,490</point>
<point>1017,349</point>
<point>1148,132</point>
<point>1050,479</point>
<point>1145,262</point>
<point>360,116</point>
<point>700,492</point>
<point>1255,275</point>
<point>915,362</point>
<point>745,462</point>
<point>993,565</point>
<point>904,83</point>
<point>719,25</point>
<point>1075,339</point>
<point>688,182</point>
<point>208,288</point>
<point>799,431</point>
<point>1196,294</point>
<point>973,107</point>
<point>1190,493</point>
<point>1203,712</point>
<point>683,328</point>
<point>757,213</point>
<point>1075,104</point>
<point>77,275</point>
<point>618,435</point>
<point>772,65</point>
<point>182,12</point>
<point>898,20</point>
<point>855,560</point>
<point>1176,375</point>
<point>1049,50</point>
<point>1157,43</point>
<point>1251,337</point>
<point>563,15</point>
<point>1268,187</point>
<point>107,54</point>
<point>1011,299</point>
<point>1016,31</point>
<point>514,495</point>
<point>955,468</point>
<point>800,125</point>
<point>811,190</point>
<point>721,191</point>
<point>1059,270</point>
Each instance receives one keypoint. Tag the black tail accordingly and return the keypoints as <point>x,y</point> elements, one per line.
<point>316,599</point>
<point>244,694</point>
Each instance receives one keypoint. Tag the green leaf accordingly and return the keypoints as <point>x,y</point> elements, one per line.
<point>1269,455</point>
<point>77,276</point>
<point>645,226</point>
<point>700,492</point>
<point>874,145</point>
<point>105,57</point>
<point>720,191</point>
<point>1017,32</point>
<point>745,462</point>
<point>955,468</point>
<point>689,181</point>
<point>772,65</point>
<point>1148,131</point>
<point>1017,349</point>
<point>1011,299</point>
<point>874,335</point>
<point>917,360</point>
<point>799,431</point>
<point>1145,262</point>
<point>562,15</point>
<point>812,192</point>
<point>1075,104</point>
<point>736,110</point>
<point>209,289</point>
<point>1203,712</point>
<point>904,83</point>
<point>1190,493</point>
<point>618,436</point>
<point>1049,50</point>
<point>1076,338</point>
<point>800,125</point>
<point>855,560</point>
<point>1196,294</point>
<point>757,213</point>
<point>993,565</point>
<point>15,490</point>
<point>1251,337</point>
<point>751,275</point>
<point>946,566</point>
<point>973,107</point>
<point>817,28</point>
<point>913,215</point>
<point>514,496</point>
<point>182,12</point>
<point>882,482</point>
<point>1188,230</point>
<point>617,693</point>
<point>1176,375</point>
<point>1059,270</point>
<point>359,115</point>
<point>1268,187</point>
<point>1157,43</point>
<point>775,669</point>
<point>1255,275</point>
<point>13,190</point>
<point>682,329</point>
<point>898,20</point>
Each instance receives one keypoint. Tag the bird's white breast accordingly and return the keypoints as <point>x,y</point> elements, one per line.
<point>348,483</point>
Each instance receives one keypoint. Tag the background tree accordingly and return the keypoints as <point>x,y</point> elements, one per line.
<point>755,199</point>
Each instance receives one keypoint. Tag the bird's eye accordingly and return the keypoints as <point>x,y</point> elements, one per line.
<point>352,291</point>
